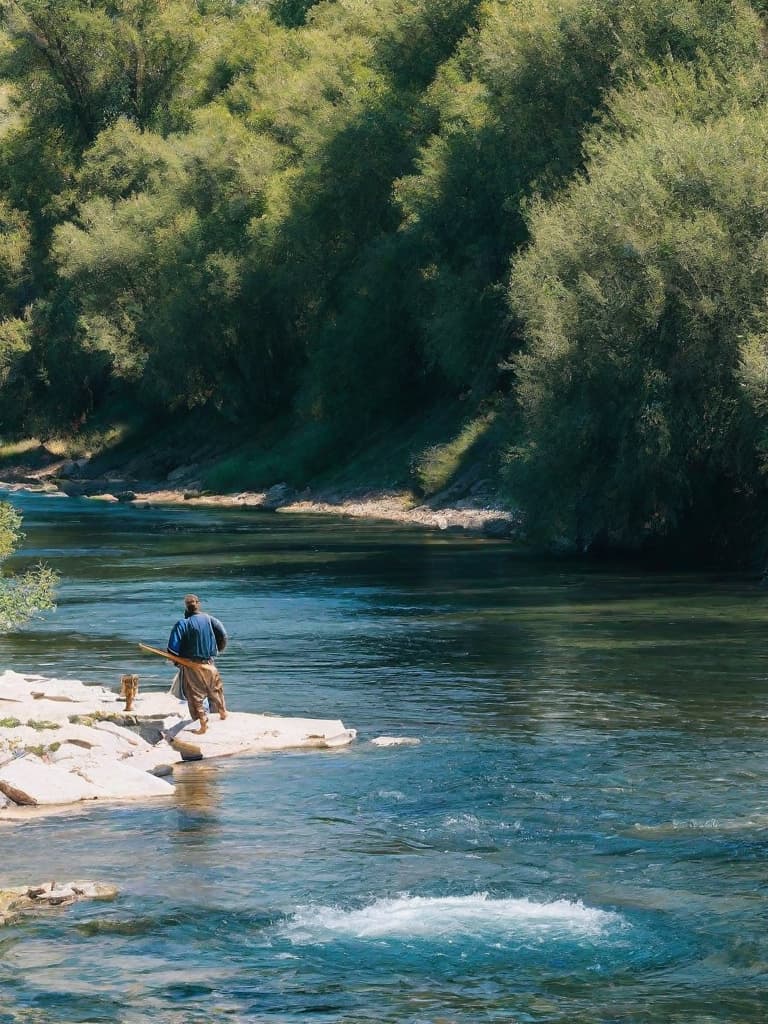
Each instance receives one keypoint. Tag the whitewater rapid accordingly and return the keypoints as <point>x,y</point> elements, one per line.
<point>475,917</point>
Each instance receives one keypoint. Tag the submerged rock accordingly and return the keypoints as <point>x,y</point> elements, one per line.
<point>25,898</point>
<point>396,741</point>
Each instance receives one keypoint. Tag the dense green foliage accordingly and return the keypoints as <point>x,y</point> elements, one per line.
<point>308,212</point>
<point>644,297</point>
<point>25,593</point>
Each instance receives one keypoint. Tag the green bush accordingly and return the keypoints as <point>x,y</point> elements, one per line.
<point>26,593</point>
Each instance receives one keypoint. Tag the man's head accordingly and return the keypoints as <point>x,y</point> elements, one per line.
<point>191,604</point>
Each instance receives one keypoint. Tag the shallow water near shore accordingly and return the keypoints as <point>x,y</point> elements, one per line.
<point>581,835</point>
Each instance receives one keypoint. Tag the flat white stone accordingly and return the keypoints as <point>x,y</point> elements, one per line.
<point>121,780</point>
<point>119,732</point>
<point>159,760</point>
<point>96,758</point>
<point>242,732</point>
<point>396,741</point>
<point>32,784</point>
<point>19,736</point>
<point>68,755</point>
<point>90,737</point>
<point>71,691</point>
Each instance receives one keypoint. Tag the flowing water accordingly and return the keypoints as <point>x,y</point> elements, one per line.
<point>580,836</point>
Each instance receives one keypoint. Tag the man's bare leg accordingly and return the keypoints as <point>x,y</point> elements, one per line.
<point>216,702</point>
<point>203,727</point>
<point>217,705</point>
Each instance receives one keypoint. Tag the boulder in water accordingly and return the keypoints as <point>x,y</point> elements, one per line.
<point>29,898</point>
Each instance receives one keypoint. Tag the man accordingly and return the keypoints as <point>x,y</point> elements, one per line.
<point>199,637</point>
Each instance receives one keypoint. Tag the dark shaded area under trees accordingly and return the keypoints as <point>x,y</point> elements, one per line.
<point>339,215</point>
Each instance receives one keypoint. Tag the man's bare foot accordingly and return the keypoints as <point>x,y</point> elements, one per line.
<point>203,728</point>
<point>222,715</point>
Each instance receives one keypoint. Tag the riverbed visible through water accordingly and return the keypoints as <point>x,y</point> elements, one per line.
<point>581,835</point>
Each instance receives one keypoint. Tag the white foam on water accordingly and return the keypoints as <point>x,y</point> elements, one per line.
<point>471,823</point>
<point>449,917</point>
<point>693,825</point>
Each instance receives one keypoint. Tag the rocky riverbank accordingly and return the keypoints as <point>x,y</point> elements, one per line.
<point>64,742</point>
<point>467,506</point>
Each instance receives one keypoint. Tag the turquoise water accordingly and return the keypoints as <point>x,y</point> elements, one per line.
<point>581,836</point>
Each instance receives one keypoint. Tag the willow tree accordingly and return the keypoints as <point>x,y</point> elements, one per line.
<point>71,71</point>
<point>85,64</point>
<point>643,298</point>
<point>25,593</point>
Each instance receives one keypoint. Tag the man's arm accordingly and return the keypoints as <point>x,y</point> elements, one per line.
<point>220,634</point>
<point>174,640</point>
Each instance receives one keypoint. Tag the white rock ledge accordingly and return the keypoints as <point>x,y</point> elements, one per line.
<point>64,742</point>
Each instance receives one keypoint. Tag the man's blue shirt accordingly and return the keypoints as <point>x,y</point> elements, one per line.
<point>199,636</point>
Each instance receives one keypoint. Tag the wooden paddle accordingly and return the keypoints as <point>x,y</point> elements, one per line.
<point>170,657</point>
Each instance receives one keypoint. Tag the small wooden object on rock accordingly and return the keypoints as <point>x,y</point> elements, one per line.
<point>129,688</point>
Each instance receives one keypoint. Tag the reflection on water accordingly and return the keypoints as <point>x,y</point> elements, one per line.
<point>197,794</point>
<point>197,800</point>
<point>580,836</point>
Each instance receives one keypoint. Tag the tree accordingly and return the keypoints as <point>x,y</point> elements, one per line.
<point>23,594</point>
<point>643,299</point>
<point>84,65</point>
<point>153,262</point>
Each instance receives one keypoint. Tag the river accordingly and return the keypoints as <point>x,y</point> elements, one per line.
<point>580,836</point>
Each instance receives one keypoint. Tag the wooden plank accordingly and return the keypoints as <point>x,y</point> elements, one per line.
<point>175,658</point>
